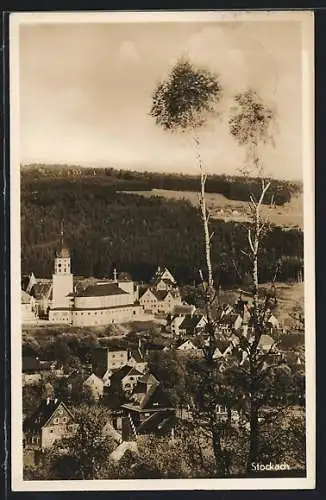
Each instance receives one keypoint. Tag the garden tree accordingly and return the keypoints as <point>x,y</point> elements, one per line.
<point>168,367</point>
<point>183,103</point>
<point>87,453</point>
<point>208,386</point>
<point>182,456</point>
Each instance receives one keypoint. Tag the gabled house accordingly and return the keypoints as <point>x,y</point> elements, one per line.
<point>51,422</point>
<point>150,400</point>
<point>108,359</point>
<point>186,346</point>
<point>31,370</point>
<point>162,295</point>
<point>173,325</point>
<point>42,291</point>
<point>223,348</point>
<point>137,359</point>
<point>34,370</point>
<point>94,386</point>
<point>126,378</point>
<point>192,325</point>
<point>163,280</point>
<point>148,301</point>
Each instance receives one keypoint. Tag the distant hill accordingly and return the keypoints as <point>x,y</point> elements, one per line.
<point>106,228</point>
<point>231,187</point>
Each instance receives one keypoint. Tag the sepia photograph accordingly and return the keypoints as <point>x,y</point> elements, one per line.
<point>162,250</point>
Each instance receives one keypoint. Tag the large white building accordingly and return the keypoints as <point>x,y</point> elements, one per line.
<point>91,302</point>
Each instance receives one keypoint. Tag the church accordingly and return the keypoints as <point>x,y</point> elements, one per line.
<point>90,302</point>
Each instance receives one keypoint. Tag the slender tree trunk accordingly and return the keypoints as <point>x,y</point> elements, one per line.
<point>204,216</point>
<point>254,436</point>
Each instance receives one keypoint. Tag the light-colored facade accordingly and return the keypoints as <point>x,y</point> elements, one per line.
<point>94,386</point>
<point>51,422</point>
<point>106,360</point>
<point>101,302</point>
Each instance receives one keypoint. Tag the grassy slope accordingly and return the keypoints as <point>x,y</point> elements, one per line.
<point>290,215</point>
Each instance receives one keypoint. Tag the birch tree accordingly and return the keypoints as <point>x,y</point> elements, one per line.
<point>183,102</point>
<point>251,125</point>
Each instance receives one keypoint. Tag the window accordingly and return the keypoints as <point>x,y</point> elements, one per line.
<point>64,420</point>
<point>55,420</point>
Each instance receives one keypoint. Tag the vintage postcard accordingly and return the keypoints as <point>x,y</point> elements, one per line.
<point>162,250</point>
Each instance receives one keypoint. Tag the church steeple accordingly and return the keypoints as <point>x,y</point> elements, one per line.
<point>62,252</point>
<point>62,255</point>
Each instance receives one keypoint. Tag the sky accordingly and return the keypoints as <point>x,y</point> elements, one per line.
<point>86,90</point>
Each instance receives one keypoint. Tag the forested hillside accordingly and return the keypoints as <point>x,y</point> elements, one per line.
<point>104,228</point>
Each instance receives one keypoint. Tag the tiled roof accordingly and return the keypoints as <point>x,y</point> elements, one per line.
<point>154,395</point>
<point>158,423</point>
<point>190,322</point>
<point>222,345</point>
<point>137,355</point>
<point>101,290</point>
<point>134,371</point>
<point>120,374</point>
<point>148,378</point>
<point>160,294</point>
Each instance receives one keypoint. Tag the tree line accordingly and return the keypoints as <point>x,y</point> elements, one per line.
<point>232,187</point>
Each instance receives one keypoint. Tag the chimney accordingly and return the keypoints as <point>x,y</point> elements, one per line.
<point>115,279</point>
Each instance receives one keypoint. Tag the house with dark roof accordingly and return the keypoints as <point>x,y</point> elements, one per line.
<point>34,370</point>
<point>137,359</point>
<point>192,325</point>
<point>148,400</point>
<point>223,348</point>
<point>51,422</point>
<point>186,345</point>
<point>125,379</point>
<point>42,291</point>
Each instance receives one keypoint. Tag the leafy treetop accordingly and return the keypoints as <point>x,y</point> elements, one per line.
<point>184,99</point>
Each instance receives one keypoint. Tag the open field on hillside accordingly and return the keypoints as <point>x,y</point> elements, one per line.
<point>288,216</point>
<point>290,300</point>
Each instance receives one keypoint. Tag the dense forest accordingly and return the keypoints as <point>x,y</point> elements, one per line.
<point>232,187</point>
<point>105,229</point>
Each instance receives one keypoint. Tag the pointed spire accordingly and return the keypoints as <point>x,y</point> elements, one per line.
<point>61,232</point>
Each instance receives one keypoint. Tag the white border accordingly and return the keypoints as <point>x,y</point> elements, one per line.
<point>307,21</point>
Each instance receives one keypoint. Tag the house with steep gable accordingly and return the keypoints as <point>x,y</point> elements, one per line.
<point>51,422</point>
<point>94,386</point>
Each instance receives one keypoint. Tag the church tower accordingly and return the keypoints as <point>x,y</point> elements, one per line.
<point>62,277</point>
